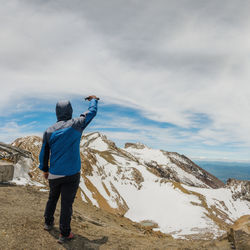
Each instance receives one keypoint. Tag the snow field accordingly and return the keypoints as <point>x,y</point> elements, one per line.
<point>169,207</point>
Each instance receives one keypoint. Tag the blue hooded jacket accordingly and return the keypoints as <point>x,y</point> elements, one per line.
<point>61,141</point>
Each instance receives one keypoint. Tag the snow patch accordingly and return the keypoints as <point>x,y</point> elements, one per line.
<point>98,144</point>
<point>21,173</point>
<point>37,143</point>
<point>43,190</point>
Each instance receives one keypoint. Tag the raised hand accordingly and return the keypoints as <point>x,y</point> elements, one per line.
<point>89,98</point>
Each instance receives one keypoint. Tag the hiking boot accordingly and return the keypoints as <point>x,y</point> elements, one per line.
<point>63,239</point>
<point>48,227</point>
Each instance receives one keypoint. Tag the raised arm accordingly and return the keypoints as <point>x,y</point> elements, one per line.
<point>83,121</point>
<point>91,113</point>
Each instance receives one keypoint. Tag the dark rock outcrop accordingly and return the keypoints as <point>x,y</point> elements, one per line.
<point>166,173</point>
<point>134,145</point>
<point>240,189</point>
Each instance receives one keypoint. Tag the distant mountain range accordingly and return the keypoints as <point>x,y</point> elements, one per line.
<point>162,189</point>
<point>218,159</point>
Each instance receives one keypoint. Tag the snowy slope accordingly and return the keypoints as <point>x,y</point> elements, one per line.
<point>222,199</point>
<point>125,179</point>
<point>160,202</point>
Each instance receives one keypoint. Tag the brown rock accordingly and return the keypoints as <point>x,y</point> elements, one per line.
<point>239,233</point>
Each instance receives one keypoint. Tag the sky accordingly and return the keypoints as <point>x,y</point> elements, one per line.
<point>173,74</point>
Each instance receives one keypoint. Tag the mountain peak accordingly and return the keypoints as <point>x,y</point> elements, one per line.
<point>96,141</point>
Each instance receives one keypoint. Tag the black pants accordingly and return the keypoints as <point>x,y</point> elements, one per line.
<point>66,186</point>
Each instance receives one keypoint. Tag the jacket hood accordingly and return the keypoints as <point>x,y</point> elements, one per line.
<point>63,110</point>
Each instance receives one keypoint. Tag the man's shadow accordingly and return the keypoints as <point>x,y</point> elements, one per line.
<point>80,242</point>
<point>7,184</point>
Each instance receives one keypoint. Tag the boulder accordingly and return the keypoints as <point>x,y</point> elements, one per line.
<point>239,233</point>
<point>6,171</point>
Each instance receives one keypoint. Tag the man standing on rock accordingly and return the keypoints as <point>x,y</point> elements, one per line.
<point>61,143</point>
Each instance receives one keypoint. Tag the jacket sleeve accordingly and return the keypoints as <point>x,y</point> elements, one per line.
<point>44,154</point>
<point>83,121</point>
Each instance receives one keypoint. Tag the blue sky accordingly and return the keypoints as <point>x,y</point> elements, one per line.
<point>170,74</point>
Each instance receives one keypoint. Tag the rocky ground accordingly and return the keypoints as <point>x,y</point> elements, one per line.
<point>21,227</point>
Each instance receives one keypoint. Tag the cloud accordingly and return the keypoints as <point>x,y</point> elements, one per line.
<point>170,60</point>
<point>192,142</point>
<point>12,130</point>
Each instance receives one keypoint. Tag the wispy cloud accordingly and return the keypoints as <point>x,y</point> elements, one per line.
<point>12,130</point>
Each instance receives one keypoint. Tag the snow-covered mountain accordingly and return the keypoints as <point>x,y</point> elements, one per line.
<point>161,189</point>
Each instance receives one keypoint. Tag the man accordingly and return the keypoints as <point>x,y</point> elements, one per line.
<point>60,147</point>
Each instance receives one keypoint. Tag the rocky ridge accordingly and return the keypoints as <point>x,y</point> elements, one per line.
<point>182,162</point>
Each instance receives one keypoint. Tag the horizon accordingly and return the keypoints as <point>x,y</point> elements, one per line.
<point>172,75</point>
